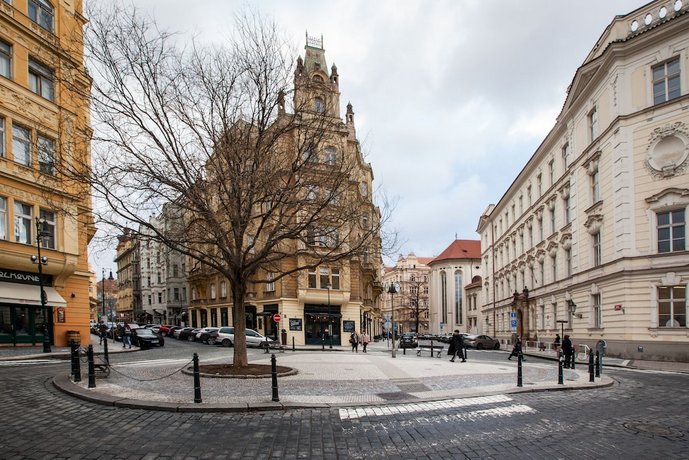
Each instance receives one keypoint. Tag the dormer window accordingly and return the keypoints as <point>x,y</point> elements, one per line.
<point>42,13</point>
<point>319,105</point>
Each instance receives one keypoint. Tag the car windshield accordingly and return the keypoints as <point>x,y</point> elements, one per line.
<point>142,332</point>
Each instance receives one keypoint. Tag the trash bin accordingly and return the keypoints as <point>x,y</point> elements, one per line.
<point>283,336</point>
<point>74,336</point>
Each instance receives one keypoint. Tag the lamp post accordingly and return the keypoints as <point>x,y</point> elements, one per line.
<point>42,261</point>
<point>330,318</point>
<point>110,278</point>
<point>392,289</point>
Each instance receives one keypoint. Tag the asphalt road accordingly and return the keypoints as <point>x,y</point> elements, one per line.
<point>643,416</point>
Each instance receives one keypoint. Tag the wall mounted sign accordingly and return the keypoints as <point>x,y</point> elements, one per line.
<point>295,324</point>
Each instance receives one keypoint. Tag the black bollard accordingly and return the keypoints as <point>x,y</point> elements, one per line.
<point>591,367</point>
<point>597,363</point>
<point>77,363</point>
<point>92,369</point>
<point>74,360</point>
<point>560,375</point>
<point>197,380</point>
<point>404,350</point>
<point>574,358</point>
<point>432,349</point>
<point>293,349</point>
<point>106,356</point>
<point>322,344</point>
<point>519,369</point>
<point>274,374</point>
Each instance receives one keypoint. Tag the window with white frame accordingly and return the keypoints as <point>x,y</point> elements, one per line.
<point>542,316</point>
<point>554,265</point>
<point>330,156</point>
<point>41,79</point>
<point>666,81</point>
<point>21,145</point>
<point>540,229</point>
<point>23,223</point>
<point>46,155</point>
<point>223,290</point>
<point>551,171</point>
<point>312,278</point>
<point>42,13</point>
<point>671,231</point>
<point>593,124</point>
<point>539,185</point>
<point>528,195</point>
<point>213,292</point>
<point>270,285</point>
<point>459,291</point>
<point>672,306</point>
<point>596,311</point>
<point>565,155</point>
<point>324,277</point>
<point>443,296</point>
<point>335,278</point>
<point>541,269</point>
<point>552,220</point>
<point>554,307</point>
<point>595,186</point>
<point>5,59</point>
<point>597,249</point>
<point>2,137</point>
<point>3,218</point>
<point>160,297</point>
<point>319,104</point>
<point>568,262</point>
<point>47,228</point>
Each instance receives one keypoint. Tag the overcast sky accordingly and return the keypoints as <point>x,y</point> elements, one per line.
<point>451,98</point>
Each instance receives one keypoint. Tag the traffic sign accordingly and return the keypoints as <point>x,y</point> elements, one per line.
<point>387,325</point>
<point>276,317</point>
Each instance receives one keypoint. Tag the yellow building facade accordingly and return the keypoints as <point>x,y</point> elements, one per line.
<point>44,130</point>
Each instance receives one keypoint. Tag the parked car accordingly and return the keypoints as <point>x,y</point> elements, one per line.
<point>146,338</point>
<point>187,333</point>
<point>204,334</point>
<point>225,337</point>
<point>481,342</point>
<point>164,329</point>
<point>119,330</point>
<point>155,328</point>
<point>408,341</point>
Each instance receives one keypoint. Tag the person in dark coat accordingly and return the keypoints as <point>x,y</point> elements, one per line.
<point>556,343</point>
<point>517,350</point>
<point>568,350</point>
<point>103,331</point>
<point>457,346</point>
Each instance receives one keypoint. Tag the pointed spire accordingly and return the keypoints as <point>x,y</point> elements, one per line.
<point>349,121</point>
<point>334,77</point>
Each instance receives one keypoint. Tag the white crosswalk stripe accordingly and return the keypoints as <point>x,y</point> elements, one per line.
<point>501,411</point>
<point>29,362</point>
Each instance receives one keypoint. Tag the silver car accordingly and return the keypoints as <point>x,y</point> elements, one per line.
<point>481,342</point>
<point>225,337</point>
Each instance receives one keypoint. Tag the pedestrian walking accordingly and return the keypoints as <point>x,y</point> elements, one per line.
<point>102,332</point>
<point>365,339</point>
<point>354,340</point>
<point>556,343</point>
<point>127,336</point>
<point>457,346</point>
<point>517,350</point>
<point>568,350</point>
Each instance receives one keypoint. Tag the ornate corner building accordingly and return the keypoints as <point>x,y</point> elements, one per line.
<point>590,238</point>
<point>44,131</point>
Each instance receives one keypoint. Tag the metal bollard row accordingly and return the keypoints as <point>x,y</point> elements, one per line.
<point>197,380</point>
<point>274,376</point>
<point>519,369</point>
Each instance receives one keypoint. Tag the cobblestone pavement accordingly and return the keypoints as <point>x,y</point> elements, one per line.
<point>642,416</point>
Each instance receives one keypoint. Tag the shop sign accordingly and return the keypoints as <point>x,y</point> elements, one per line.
<point>13,276</point>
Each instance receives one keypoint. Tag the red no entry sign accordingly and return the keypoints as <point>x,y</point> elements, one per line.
<point>276,317</point>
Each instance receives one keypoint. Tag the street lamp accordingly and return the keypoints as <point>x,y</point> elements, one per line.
<point>110,278</point>
<point>41,261</point>
<point>330,318</point>
<point>392,289</point>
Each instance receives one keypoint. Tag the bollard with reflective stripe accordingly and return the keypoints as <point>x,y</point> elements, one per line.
<point>92,369</point>
<point>274,374</point>
<point>197,380</point>
<point>591,379</point>
<point>597,363</point>
<point>519,369</point>
<point>560,375</point>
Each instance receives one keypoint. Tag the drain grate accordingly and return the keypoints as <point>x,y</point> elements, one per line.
<point>396,396</point>
<point>656,430</point>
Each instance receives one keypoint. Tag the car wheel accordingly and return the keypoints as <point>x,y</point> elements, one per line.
<point>226,343</point>
<point>496,347</point>
<point>479,346</point>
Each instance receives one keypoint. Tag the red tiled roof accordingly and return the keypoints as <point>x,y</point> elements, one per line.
<point>425,260</point>
<point>461,249</point>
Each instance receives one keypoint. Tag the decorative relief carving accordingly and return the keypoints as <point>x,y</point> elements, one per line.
<point>564,191</point>
<point>594,223</point>
<point>552,249</point>
<point>668,150</point>
<point>591,164</point>
<point>566,241</point>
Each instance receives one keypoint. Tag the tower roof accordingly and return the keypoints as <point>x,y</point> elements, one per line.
<point>314,55</point>
<point>461,249</point>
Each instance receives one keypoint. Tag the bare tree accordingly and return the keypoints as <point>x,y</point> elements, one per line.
<point>205,135</point>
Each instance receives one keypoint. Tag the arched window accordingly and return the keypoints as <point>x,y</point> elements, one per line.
<point>319,105</point>
<point>330,156</point>
<point>42,13</point>
<point>459,318</point>
<point>443,296</point>
<point>317,79</point>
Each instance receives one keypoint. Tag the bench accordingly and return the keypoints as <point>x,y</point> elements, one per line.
<point>436,349</point>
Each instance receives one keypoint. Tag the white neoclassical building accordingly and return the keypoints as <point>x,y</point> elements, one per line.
<point>590,238</point>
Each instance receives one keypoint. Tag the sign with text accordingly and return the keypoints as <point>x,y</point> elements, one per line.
<point>348,326</point>
<point>295,324</point>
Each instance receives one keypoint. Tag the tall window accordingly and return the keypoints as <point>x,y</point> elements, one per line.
<point>319,104</point>
<point>41,79</point>
<point>593,124</point>
<point>48,230</point>
<point>671,231</point>
<point>2,137</point>
<point>46,155</point>
<point>597,250</point>
<point>666,81</point>
<point>568,262</point>
<point>539,185</point>
<point>21,145</point>
<point>3,218</point>
<point>23,220</point>
<point>330,156</point>
<point>567,213</point>
<point>5,60</point>
<point>542,316</point>
<point>270,285</point>
<point>552,220</point>
<point>458,297</point>
<point>312,278</point>
<point>223,290</point>
<point>443,296</point>
<point>541,270</point>
<point>335,278</point>
<point>554,268</point>
<point>597,312</point>
<point>310,153</point>
<point>176,294</point>
<point>213,291</point>
<point>595,186</point>
<point>41,12</point>
<point>528,195</point>
<point>672,306</point>
<point>551,171</point>
<point>324,278</point>
<point>554,314</point>
<point>540,228</point>
<point>565,155</point>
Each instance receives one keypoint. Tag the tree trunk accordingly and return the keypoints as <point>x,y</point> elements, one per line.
<point>239,321</point>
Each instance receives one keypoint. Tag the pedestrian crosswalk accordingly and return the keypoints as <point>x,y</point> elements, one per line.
<point>502,406</point>
<point>29,362</point>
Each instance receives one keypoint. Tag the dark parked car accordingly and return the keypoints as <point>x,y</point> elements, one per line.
<point>146,338</point>
<point>205,335</point>
<point>408,341</point>
<point>188,333</point>
<point>481,342</point>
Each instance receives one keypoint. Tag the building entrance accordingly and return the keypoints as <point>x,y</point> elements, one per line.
<point>321,324</point>
<point>21,324</point>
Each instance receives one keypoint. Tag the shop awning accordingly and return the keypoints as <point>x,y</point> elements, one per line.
<point>28,294</point>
